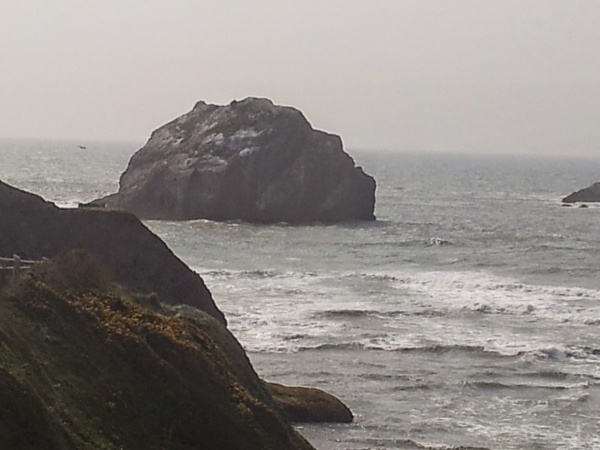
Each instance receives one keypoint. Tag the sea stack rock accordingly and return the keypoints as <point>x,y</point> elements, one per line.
<point>588,194</point>
<point>250,160</point>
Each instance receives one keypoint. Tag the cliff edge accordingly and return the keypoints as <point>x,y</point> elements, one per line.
<point>140,260</point>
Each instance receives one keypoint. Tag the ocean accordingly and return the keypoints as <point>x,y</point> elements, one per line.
<point>466,316</point>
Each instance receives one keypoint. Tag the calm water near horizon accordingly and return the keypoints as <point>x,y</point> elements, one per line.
<point>467,315</point>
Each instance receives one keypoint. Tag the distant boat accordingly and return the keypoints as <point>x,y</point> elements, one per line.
<point>82,147</point>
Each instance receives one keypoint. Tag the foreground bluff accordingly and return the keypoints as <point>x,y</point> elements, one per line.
<point>250,160</point>
<point>589,194</point>
<point>35,229</point>
<point>88,364</point>
<point>128,333</point>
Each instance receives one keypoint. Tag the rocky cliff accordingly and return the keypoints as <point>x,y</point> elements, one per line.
<point>250,160</point>
<point>87,364</point>
<point>589,194</point>
<point>35,229</point>
<point>114,343</point>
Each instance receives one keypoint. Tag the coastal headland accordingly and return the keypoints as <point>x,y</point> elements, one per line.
<point>110,341</point>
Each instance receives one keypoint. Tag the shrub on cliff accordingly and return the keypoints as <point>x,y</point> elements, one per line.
<point>87,364</point>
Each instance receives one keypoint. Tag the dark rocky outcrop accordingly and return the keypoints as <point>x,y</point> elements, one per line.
<point>250,160</point>
<point>36,229</point>
<point>589,194</point>
<point>114,343</point>
<point>86,364</point>
<point>302,404</point>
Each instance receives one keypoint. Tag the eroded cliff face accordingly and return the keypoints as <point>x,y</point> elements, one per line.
<point>35,229</point>
<point>250,160</point>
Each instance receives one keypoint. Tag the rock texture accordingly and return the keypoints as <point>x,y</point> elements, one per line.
<point>35,229</point>
<point>86,364</point>
<point>250,160</point>
<point>588,194</point>
<point>115,343</point>
<point>302,404</point>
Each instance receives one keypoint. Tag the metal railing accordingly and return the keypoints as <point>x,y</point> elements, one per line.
<point>15,264</point>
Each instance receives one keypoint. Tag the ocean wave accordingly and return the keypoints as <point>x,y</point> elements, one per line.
<point>258,274</point>
<point>374,276</point>
<point>481,292</point>
<point>436,312</point>
<point>215,274</point>
<point>295,337</point>
<point>436,241</point>
<point>375,344</point>
<point>416,387</point>
<point>546,353</point>
<point>438,291</point>
<point>344,313</point>
<point>426,312</point>
<point>261,274</point>
<point>410,444</point>
<point>377,376</point>
<point>440,348</point>
<point>401,243</point>
<point>585,379</point>
<point>498,385</point>
<point>336,346</point>
<point>302,342</point>
<point>444,349</point>
<point>548,374</point>
<point>241,274</point>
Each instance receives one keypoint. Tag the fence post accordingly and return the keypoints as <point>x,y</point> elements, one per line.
<point>16,266</point>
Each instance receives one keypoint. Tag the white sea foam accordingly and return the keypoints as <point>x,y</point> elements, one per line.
<point>277,311</point>
<point>482,292</point>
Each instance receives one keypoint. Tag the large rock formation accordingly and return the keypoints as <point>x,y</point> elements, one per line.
<point>588,194</point>
<point>115,343</point>
<point>140,260</point>
<point>251,161</point>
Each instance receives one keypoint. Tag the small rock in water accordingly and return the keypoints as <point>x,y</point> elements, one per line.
<point>484,309</point>
<point>588,194</point>
<point>555,353</point>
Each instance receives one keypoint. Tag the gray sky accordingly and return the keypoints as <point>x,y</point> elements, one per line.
<point>512,76</point>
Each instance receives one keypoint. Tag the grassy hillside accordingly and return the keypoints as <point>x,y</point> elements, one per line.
<point>86,364</point>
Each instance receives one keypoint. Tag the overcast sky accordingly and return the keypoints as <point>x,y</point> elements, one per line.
<point>503,76</point>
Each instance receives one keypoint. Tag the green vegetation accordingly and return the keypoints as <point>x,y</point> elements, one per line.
<point>86,364</point>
